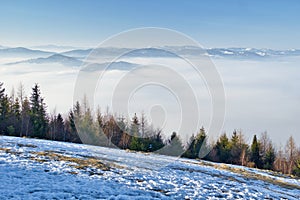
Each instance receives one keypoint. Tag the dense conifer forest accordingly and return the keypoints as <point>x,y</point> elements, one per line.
<point>24,116</point>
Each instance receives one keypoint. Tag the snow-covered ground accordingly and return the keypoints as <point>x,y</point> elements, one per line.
<point>40,169</point>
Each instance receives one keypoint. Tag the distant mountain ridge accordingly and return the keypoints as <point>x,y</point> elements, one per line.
<point>23,52</point>
<point>54,48</point>
<point>121,65</point>
<point>55,58</point>
<point>73,62</point>
<point>247,53</point>
<point>169,51</point>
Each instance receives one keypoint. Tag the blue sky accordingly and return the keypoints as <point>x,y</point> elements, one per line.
<point>260,24</point>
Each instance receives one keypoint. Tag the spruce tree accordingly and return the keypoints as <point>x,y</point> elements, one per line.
<point>72,130</point>
<point>5,116</point>
<point>223,149</point>
<point>134,129</point>
<point>199,143</point>
<point>195,144</point>
<point>269,158</point>
<point>2,90</point>
<point>190,151</point>
<point>60,128</point>
<point>38,116</point>
<point>174,146</point>
<point>235,148</point>
<point>2,109</point>
<point>255,156</point>
<point>16,116</point>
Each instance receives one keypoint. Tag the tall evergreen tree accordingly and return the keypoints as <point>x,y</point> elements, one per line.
<point>255,156</point>
<point>60,128</point>
<point>200,142</point>
<point>234,157</point>
<point>38,115</point>
<point>134,131</point>
<point>156,142</point>
<point>190,150</point>
<point>5,124</point>
<point>2,90</point>
<point>237,148</point>
<point>269,158</point>
<point>223,149</point>
<point>195,144</point>
<point>77,110</point>
<point>73,135</point>
<point>2,108</point>
<point>16,116</point>
<point>174,147</point>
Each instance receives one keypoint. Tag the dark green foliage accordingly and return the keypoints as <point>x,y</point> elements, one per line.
<point>200,142</point>
<point>195,144</point>
<point>4,115</point>
<point>223,149</point>
<point>10,130</point>
<point>234,139</point>
<point>269,158</point>
<point>57,129</point>
<point>71,130</point>
<point>9,114</point>
<point>254,155</point>
<point>156,142</point>
<point>38,115</point>
<point>4,110</point>
<point>296,170</point>
<point>2,90</point>
<point>190,151</point>
<point>77,110</point>
<point>135,143</point>
<point>28,117</point>
<point>267,152</point>
<point>16,109</point>
<point>60,129</point>
<point>139,141</point>
<point>174,146</point>
<point>233,151</point>
<point>15,117</point>
<point>237,148</point>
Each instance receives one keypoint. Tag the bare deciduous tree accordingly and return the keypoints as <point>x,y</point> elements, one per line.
<point>291,152</point>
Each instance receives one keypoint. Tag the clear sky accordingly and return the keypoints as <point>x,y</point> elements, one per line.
<point>255,23</point>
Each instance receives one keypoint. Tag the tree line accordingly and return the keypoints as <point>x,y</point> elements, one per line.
<point>27,117</point>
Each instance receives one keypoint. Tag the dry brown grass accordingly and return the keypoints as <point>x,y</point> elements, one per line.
<point>78,163</point>
<point>247,174</point>
<point>8,150</point>
<point>38,159</point>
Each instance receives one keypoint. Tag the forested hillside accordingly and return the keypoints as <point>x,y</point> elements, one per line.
<point>28,117</point>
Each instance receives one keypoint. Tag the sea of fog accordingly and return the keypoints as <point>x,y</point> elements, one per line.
<point>261,94</point>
